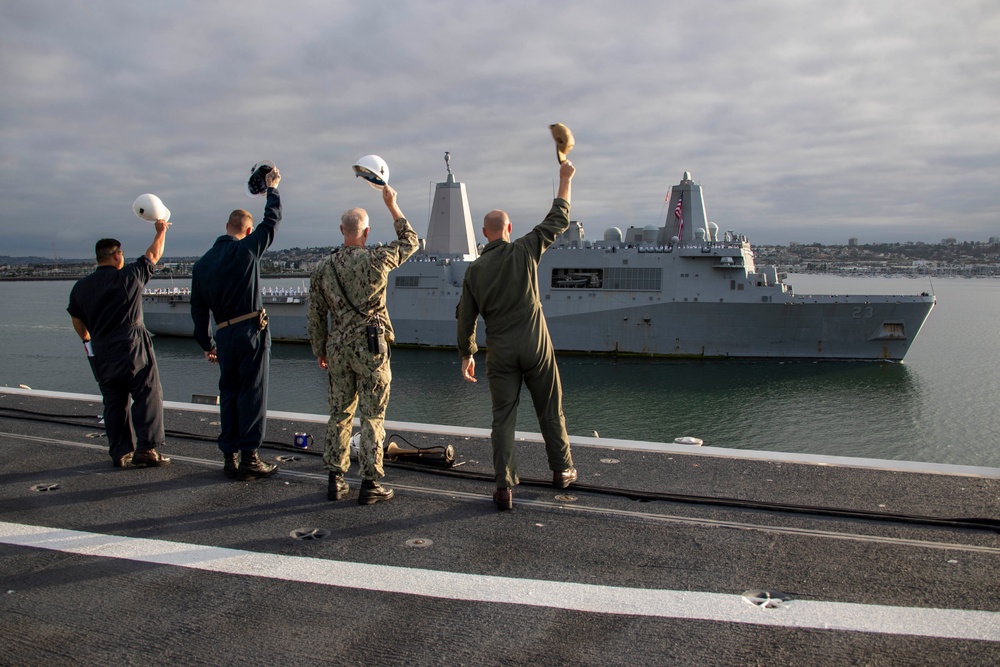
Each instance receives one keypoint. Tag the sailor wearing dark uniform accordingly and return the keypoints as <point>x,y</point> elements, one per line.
<point>106,308</point>
<point>349,329</point>
<point>226,283</point>
<point>502,286</point>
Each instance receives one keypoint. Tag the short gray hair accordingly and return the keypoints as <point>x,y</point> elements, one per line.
<point>354,221</point>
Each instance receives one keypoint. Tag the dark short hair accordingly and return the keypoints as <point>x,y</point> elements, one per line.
<point>107,247</point>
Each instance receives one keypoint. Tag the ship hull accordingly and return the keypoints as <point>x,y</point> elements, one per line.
<point>844,330</point>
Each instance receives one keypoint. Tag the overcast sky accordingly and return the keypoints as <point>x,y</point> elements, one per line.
<point>802,120</point>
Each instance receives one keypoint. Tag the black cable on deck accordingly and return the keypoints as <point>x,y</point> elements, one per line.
<point>967,523</point>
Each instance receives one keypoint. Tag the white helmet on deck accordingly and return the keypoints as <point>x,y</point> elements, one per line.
<point>373,169</point>
<point>149,208</point>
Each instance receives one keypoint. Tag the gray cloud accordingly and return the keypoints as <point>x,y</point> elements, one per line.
<point>804,121</point>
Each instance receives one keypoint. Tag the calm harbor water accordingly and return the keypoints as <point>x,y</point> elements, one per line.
<point>939,405</point>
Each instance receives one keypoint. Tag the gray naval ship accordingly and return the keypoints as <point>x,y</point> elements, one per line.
<point>681,290</point>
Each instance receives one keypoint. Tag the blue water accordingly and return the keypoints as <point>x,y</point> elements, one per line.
<point>939,405</point>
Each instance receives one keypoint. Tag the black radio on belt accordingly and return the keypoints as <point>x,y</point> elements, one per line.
<point>375,333</point>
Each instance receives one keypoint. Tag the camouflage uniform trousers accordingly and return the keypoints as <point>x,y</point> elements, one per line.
<point>358,383</point>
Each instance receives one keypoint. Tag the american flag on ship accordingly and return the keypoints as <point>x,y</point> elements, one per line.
<point>679,214</point>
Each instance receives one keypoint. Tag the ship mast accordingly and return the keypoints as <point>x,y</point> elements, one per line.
<point>449,229</point>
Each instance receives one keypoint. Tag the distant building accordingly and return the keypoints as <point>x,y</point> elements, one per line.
<point>948,241</point>
<point>852,242</point>
<point>994,240</point>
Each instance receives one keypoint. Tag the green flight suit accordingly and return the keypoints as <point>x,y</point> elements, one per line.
<point>502,286</point>
<point>358,379</point>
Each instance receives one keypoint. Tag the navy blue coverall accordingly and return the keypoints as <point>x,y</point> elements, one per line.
<point>109,303</point>
<point>226,281</point>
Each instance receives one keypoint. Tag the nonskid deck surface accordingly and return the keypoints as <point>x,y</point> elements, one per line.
<point>655,557</point>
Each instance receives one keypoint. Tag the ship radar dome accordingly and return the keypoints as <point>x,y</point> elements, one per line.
<point>612,235</point>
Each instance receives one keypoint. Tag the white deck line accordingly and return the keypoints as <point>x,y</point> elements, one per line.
<point>588,598</point>
<point>582,441</point>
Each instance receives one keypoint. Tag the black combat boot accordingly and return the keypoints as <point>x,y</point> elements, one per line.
<point>254,467</point>
<point>373,492</point>
<point>229,469</point>
<point>337,488</point>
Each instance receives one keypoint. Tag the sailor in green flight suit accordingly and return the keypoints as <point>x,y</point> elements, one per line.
<point>502,286</point>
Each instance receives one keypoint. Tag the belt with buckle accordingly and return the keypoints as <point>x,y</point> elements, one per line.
<point>241,318</point>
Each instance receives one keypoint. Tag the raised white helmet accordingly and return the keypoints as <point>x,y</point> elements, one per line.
<point>373,169</point>
<point>149,208</point>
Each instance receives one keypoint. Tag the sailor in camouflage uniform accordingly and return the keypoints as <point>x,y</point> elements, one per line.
<point>346,297</point>
<point>502,286</point>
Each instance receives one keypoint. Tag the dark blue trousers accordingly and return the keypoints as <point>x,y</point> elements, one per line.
<point>244,354</point>
<point>119,380</point>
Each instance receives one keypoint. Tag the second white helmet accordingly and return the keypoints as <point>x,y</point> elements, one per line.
<point>149,208</point>
<point>373,169</point>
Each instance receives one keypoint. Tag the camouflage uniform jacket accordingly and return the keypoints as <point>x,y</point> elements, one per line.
<point>364,272</point>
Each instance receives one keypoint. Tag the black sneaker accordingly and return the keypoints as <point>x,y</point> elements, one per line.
<point>373,492</point>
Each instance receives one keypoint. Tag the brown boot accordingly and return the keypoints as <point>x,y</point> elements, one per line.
<point>254,467</point>
<point>337,487</point>
<point>504,499</point>
<point>373,492</point>
<point>149,458</point>
<point>563,478</point>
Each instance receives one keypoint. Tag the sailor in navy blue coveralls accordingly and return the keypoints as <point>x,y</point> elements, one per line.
<point>226,282</point>
<point>106,308</point>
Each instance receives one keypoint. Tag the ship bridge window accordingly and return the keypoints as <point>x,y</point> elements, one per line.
<point>407,281</point>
